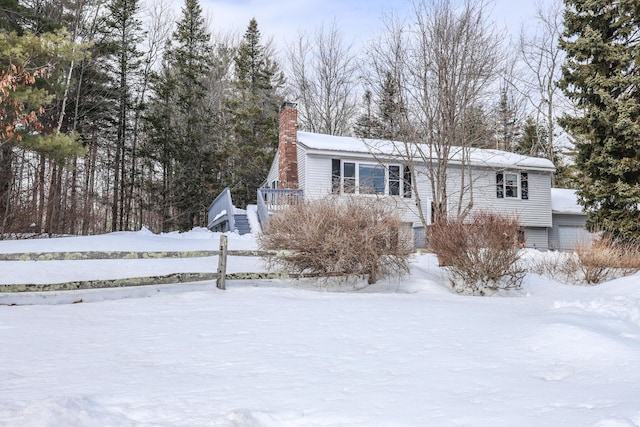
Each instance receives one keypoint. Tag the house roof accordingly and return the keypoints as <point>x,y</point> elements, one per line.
<point>565,201</point>
<point>372,147</point>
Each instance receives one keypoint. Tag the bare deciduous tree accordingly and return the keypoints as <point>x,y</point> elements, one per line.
<point>445,62</point>
<point>322,76</point>
<point>455,59</point>
<point>542,59</point>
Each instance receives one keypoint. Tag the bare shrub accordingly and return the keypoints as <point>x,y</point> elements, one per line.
<point>348,236</point>
<point>606,259</point>
<point>561,266</point>
<point>481,255</point>
<point>592,262</point>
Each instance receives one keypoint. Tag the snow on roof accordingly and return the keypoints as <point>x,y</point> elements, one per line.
<point>565,200</point>
<point>478,156</point>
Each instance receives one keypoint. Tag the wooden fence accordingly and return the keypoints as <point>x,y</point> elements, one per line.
<point>220,276</point>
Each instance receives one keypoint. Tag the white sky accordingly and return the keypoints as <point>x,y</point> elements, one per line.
<point>357,19</point>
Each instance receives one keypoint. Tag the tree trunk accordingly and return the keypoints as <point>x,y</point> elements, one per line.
<point>6,176</point>
<point>41,189</point>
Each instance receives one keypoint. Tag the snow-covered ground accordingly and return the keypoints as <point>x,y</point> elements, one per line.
<point>403,352</point>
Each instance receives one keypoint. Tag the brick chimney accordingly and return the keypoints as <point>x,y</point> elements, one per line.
<point>287,138</point>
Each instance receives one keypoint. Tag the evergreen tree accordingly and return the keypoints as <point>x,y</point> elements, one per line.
<point>600,75</point>
<point>254,114</point>
<point>161,143</point>
<point>42,16</point>
<point>533,139</point>
<point>507,126</point>
<point>11,16</point>
<point>27,65</point>
<point>391,109</point>
<point>477,129</point>
<point>384,120</point>
<point>124,34</point>
<point>184,123</point>
<point>366,125</point>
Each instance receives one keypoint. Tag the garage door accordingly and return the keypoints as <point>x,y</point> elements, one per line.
<point>570,237</point>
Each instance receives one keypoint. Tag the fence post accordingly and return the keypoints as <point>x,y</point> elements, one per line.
<point>222,262</point>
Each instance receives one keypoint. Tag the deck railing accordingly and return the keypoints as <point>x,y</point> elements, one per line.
<point>271,200</point>
<point>220,210</point>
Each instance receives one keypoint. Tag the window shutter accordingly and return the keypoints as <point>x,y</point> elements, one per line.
<point>500,185</point>
<point>407,182</point>
<point>524,185</point>
<point>335,176</point>
<point>394,180</point>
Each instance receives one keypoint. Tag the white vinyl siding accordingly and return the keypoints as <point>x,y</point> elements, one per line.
<point>318,177</point>
<point>272,176</point>
<point>535,211</point>
<point>536,237</point>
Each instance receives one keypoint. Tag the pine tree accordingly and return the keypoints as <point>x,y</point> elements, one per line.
<point>184,134</point>
<point>254,112</point>
<point>533,139</point>
<point>507,126</point>
<point>124,34</point>
<point>477,129</point>
<point>11,16</point>
<point>600,76</point>
<point>366,125</point>
<point>160,147</point>
<point>384,120</point>
<point>26,62</point>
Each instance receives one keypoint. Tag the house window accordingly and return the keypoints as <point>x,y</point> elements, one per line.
<point>367,178</point>
<point>349,171</point>
<point>512,185</point>
<point>371,179</point>
<point>394,180</point>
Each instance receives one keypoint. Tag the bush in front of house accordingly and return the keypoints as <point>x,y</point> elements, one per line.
<point>481,253</point>
<point>592,262</point>
<point>346,236</point>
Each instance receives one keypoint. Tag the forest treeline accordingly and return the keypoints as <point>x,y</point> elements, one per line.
<point>116,115</point>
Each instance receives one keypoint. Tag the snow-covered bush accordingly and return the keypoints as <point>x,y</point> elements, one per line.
<point>481,254</point>
<point>592,262</point>
<point>356,235</point>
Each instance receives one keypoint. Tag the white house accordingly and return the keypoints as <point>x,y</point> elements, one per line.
<point>314,166</point>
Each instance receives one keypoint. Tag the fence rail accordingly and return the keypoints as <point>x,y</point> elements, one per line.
<point>125,255</point>
<point>221,276</point>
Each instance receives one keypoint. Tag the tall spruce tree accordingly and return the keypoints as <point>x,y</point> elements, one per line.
<point>160,146</point>
<point>601,76</point>
<point>533,139</point>
<point>384,120</point>
<point>366,125</point>
<point>185,122</point>
<point>124,34</point>
<point>254,112</point>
